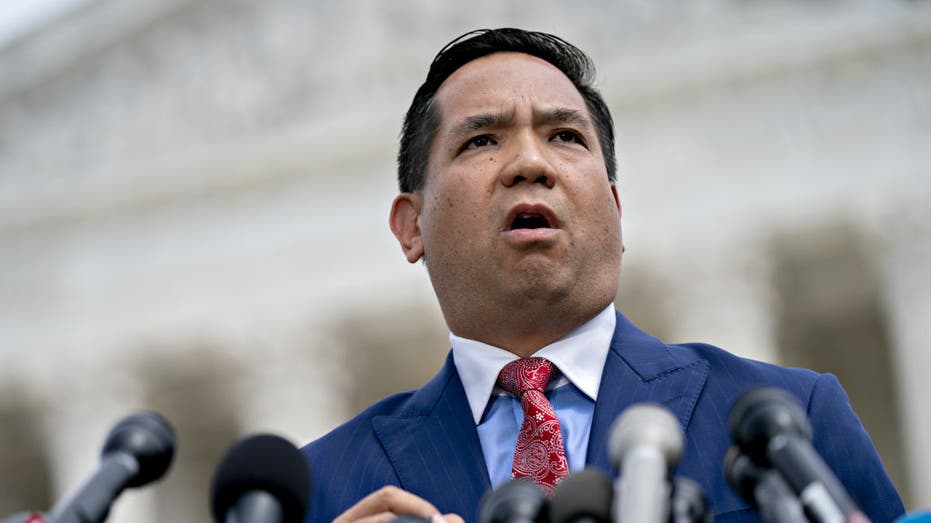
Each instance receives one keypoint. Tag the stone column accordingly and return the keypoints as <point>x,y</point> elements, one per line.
<point>908,284</point>
<point>724,298</point>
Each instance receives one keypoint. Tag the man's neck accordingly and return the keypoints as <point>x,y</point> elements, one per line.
<point>526,335</point>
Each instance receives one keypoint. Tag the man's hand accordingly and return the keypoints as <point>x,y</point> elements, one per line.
<point>386,503</point>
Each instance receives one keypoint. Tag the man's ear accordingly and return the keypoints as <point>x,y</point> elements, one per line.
<point>617,203</point>
<point>405,224</point>
<point>617,200</point>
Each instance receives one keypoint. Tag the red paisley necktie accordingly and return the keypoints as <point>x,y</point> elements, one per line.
<point>539,454</point>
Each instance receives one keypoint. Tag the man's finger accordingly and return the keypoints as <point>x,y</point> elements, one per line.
<point>388,499</point>
<point>384,517</point>
<point>387,517</point>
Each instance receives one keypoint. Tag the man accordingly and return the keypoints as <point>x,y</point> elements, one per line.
<point>506,173</point>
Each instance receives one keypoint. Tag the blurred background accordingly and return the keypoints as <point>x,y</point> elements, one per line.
<point>194,199</point>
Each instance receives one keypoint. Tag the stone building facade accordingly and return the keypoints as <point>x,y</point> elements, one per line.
<point>194,199</point>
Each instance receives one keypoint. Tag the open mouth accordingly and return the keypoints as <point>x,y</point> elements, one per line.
<point>529,217</point>
<point>530,221</point>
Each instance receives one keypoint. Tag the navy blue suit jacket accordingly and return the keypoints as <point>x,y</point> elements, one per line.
<point>425,440</point>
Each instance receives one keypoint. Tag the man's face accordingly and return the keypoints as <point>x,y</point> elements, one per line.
<point>517,209</point>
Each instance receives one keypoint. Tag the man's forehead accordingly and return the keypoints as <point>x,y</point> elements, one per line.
<point>497,83</point>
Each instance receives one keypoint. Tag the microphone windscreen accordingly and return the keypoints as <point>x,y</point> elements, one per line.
<point>760,414</point>
<point>688,501</point>
<point>585,495</point>
<point>149,439</point>
<point>267,463</point>
<point>518,500</point>
<point>741,473</point>
<point>646,424</point>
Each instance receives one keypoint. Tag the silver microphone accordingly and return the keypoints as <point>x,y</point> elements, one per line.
<point>646,443</point>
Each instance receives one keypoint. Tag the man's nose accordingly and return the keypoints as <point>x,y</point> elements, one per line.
<point>528,163</point>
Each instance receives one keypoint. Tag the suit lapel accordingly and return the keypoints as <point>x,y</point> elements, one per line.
<point>640,368</point>
<point>434,446</point>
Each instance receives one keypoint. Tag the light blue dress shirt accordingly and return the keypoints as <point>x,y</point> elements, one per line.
<point>579,357</point>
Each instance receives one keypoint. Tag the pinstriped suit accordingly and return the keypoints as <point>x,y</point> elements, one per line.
<point>425,440</point>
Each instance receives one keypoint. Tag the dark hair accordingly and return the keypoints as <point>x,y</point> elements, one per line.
<point>422,119</point>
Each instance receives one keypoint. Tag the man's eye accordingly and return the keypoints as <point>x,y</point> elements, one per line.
<point>478,141</point>
<point>569,137</point>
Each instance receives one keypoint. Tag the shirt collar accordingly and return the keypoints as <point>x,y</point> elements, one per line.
<point>580,356</point>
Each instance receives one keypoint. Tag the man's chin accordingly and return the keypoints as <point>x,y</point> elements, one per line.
<point>537,284</point>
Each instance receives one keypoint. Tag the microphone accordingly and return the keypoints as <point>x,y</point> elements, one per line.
<point>23,517</point>
<point>688,503</point>
<point>583,497</point>
<point>517,501</point>
<point>762,488</point>
<point>646,443</point>
<point>137,451</point>
<point>768,425</point>
<point>262,479</point>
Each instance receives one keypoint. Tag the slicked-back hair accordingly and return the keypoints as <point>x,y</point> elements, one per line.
<point>423,119</point>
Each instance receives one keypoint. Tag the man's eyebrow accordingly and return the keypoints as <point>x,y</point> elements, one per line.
<point>480,122</point>
<point>484,121</point>
<point>562,115</point>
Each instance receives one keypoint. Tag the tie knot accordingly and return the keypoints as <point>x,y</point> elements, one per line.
<point>519,376</point>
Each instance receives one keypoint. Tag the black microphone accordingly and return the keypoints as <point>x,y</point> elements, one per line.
<point>688,503</point>
<point>262,479</point>
<point>769,426</point>
<point>646,443</point>
<point>137,451</point>
<point>583,497</point>
<point>517,501</point>
<point>763,488</point>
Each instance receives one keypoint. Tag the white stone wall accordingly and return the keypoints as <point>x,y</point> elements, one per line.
<point>184,172</point>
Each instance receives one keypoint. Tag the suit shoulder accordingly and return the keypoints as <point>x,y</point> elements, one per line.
<point>735,373</point>
<point>359,428</point>
<point>722,359</point>
<point>360,425</point>
<point>349,462</point>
